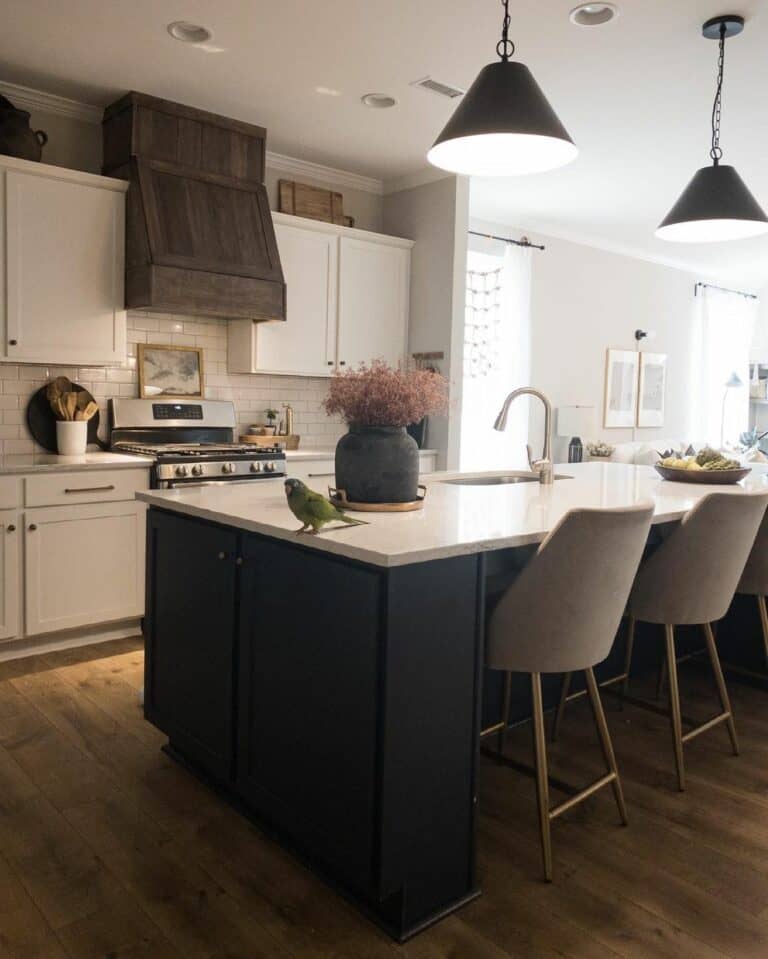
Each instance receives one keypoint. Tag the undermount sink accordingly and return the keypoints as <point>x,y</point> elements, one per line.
<point>504,480</point>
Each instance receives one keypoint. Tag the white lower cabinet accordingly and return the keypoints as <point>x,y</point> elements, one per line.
<point>10,558</point>
<point>83,565</point>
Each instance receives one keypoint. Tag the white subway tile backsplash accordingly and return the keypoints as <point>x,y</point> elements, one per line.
<point>251,394</point>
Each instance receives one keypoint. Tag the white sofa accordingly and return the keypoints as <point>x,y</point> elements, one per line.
<point>646,452</point>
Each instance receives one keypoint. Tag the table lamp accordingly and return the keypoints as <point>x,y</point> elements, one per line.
<point>575,422</point>
<point>733,382</point>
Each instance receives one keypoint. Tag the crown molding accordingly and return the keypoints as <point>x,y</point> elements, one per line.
<point>325,174</point>
<point>411,180</point>
<point>28,99</point>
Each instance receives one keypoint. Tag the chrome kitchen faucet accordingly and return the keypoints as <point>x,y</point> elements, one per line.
<point>542,467</point>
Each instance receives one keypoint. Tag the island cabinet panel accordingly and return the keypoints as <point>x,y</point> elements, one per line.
<point>190,629</point>
<point>430,719</point>
<point>308,681</point>
<point>337,702</point>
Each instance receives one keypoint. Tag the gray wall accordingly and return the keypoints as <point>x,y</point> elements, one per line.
<point>435,215</point>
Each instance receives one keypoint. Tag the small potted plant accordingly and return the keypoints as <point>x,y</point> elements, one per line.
<point>272,421</point>
<point>377,461</point>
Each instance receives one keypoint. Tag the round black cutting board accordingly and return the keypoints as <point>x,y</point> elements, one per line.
<point>42,422</point>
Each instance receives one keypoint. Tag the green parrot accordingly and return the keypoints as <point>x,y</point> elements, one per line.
<point>313,509</point>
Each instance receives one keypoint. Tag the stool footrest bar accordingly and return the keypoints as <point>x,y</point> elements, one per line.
<point>581,795</point>
<point>698,730</point>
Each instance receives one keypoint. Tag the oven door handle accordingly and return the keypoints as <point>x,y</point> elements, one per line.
<point>188,484</point>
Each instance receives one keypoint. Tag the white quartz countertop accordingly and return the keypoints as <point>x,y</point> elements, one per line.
<point>50,462</point>
<point>298,456</point>
<point>455,520</point>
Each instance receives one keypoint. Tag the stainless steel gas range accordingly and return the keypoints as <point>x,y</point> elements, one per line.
<point>191,442</point>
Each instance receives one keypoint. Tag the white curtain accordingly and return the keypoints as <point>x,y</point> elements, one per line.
<point>496,358</point>
<point>723,328</point>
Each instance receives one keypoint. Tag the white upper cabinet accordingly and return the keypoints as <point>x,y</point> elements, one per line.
<point>305,343</point>
<point>373,302</point>
<point>62,265</point>
<point>347,302</point>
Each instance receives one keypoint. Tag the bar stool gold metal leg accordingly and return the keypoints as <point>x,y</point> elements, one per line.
<point>628,656</point>
<point>674,701</point>
<point>722,691</point>
<point>764,623</point>
<point>542,781</point>
<point>506,705</point>
<point>560,712</point>
<point>605,742</point>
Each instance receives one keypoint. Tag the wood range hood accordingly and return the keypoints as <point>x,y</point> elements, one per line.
<point>199,232</point>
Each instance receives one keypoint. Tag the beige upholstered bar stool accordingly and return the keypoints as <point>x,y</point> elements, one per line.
<point>561,614</point>
<point>754,579</point>
<point>690,580</point>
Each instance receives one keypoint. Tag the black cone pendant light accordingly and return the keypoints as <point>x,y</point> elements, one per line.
<point>504,125</point>
<point>716,205</point>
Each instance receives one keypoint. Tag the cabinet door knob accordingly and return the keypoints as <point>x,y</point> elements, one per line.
<point>342,362</point>
<point>330,362</point>
<point>12,342</point>
<point>239,560</point>
<point>32,527</point>
<point>11,528</point>
<point>222,555</point>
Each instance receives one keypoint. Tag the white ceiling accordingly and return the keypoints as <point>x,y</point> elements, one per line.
<point>634,94</point>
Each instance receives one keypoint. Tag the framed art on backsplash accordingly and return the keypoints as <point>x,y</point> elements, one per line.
<point>651,393</point>
<point>169,370</point>
<point>620,404</point>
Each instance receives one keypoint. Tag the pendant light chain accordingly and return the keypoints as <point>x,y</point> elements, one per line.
<point>505,48</point>
<point>716,152</point>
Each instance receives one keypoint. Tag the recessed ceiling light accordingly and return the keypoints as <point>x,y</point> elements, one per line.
<point>378,101</point>
<point>187,32</point>
<point>593,14</point>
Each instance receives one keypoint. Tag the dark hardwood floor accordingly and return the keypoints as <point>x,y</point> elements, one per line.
<point>108,849</point>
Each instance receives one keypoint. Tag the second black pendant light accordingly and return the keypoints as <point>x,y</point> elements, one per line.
<point>716,205</point>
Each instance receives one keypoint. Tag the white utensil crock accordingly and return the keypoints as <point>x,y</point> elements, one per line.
<point>71,437</point>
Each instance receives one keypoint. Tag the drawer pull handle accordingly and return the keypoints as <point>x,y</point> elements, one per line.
<point>91,489</point>
<point>11,528</point>
<point>32,527</point>
<point>12,342</point>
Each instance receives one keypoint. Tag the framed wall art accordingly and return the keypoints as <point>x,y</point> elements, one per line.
<point>620,389</point>
<point>652,389</point>
<point>175,371</point>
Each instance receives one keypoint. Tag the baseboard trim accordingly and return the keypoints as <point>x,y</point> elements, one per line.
<point>68,639</point>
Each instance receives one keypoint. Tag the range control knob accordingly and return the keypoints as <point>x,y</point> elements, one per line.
<point>269,467</point>
<point>255,467</point>
<point>227,467</point>
<point>197,470</point>
<point>181,470</point>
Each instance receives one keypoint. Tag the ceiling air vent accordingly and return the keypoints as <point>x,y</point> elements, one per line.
<point>441,89</point>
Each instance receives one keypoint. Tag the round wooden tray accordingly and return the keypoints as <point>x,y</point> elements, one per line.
<point>339,498</point>
<point>713,477</point>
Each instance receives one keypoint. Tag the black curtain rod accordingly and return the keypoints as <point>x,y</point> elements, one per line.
<point>507,239</point>
<point>723,289</point>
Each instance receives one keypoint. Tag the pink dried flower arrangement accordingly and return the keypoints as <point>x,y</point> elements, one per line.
<point>379,395</point>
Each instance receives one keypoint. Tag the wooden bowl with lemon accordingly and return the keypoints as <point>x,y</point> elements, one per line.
<point>709,466</point>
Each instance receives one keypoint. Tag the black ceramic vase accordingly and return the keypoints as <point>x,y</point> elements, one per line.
<point>377,464</point>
